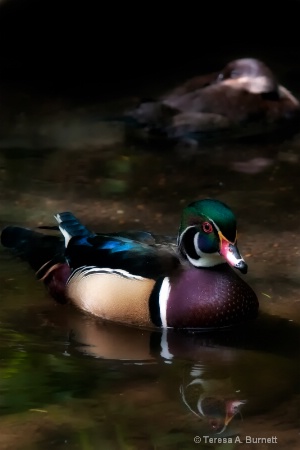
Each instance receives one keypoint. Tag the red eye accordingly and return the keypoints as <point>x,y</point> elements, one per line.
<point>207,227</point>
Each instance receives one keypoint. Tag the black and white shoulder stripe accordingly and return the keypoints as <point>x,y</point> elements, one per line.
<point>87,271</point>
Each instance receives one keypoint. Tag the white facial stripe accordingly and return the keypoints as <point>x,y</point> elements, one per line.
<point>195,238</point>
<point>205,259</point>
<point>215,225</point>
<point>182,234</point>
<point>197,249</point>
<point>163,301</point>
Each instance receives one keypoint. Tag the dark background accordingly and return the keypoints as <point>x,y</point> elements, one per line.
<point>108,48</point>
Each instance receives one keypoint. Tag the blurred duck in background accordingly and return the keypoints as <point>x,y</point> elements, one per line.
<point>243,99</point>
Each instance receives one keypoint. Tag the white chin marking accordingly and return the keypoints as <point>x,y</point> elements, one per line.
<point>163,301</point>
<point>206,259</point>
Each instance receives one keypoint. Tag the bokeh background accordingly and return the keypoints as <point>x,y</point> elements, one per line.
<point>68,381</point>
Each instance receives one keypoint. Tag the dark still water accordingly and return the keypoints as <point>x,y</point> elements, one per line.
<point>68,381</point>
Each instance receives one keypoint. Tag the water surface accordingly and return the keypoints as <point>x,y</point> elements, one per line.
<point>68,381</point>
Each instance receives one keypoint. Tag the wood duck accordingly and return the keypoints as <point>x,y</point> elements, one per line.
<point>126,280</point>
<point>243,99</point>
<point>213,400</point>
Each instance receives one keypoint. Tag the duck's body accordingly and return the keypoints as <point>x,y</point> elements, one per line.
<point>125,280</point>
<point>121,297</point>
<point>243,99</point>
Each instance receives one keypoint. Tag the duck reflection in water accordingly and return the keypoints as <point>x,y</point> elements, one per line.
<point>243,99</point>
<point>212,400</point>
<point>207,379</point>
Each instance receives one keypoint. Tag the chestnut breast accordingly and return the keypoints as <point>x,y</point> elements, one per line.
<point>214,297</point>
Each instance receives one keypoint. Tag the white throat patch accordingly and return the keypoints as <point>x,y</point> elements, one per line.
<point>205,259</point>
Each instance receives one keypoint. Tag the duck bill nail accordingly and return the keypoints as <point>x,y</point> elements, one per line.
<point>232,255</point>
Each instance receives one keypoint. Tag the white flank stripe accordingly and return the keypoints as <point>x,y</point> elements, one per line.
<point>163,301</point>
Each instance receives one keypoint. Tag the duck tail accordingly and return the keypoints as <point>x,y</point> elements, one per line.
<point>31,246</point>
<point>44,253</point>
<point>70,226</point>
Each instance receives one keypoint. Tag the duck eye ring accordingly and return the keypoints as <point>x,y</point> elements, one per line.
<point>207,227</point>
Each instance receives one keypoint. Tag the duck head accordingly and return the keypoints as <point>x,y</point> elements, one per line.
<point>249,74</point>
<point>208,236</point>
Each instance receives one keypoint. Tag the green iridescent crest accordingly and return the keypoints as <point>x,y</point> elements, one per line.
<point>198,211</point>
